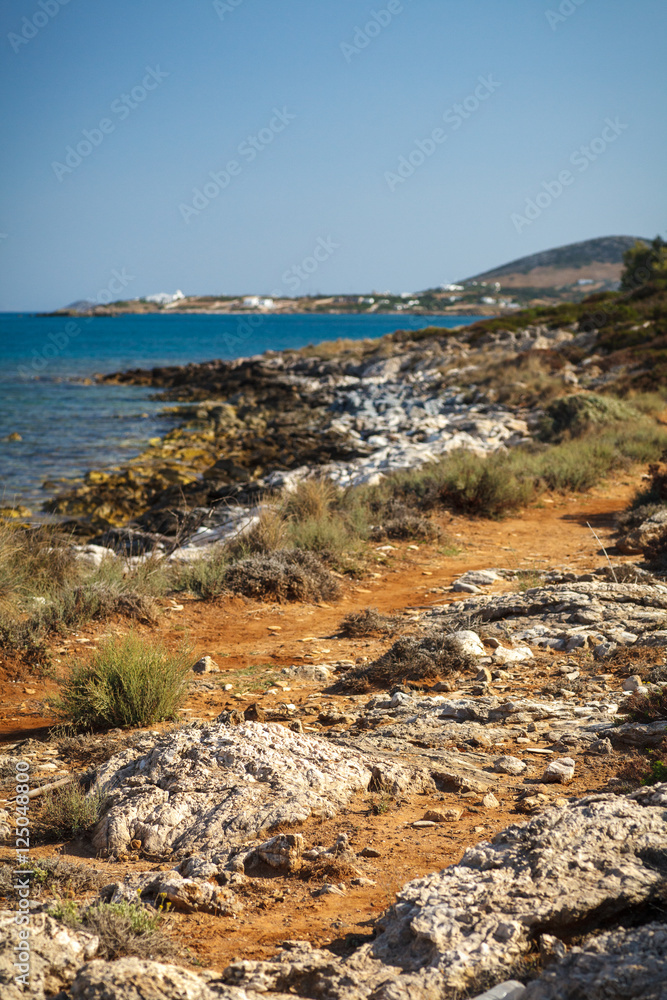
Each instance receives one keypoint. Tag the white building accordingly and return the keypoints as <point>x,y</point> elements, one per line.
<point>164,298</point>
<point>257,302</point>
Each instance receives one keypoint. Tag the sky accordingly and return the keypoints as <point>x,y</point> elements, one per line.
<point>318,146</point>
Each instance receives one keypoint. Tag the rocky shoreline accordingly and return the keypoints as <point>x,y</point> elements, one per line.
<point>352,413</point>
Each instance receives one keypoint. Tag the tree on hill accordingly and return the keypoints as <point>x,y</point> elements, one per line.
<point>643,264</point>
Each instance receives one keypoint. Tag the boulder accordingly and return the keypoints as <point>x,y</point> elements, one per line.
<point>142,979</point>
<point>56,952</point>
<point>509,765</point>
<point>213,787</point>
<point>617,965</point>
<point>559,771</point>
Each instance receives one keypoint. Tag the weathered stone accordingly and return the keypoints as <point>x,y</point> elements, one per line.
<point>141,979</point>
<point>443,815</point>
<point>283,852</point>
<point>602,854</point>
<point>559,771</point>
<point>56,952</point>
<point>206,665</point>
<point>187,895</point>
<point>218,786</point>
<point>622,964</point>
<point>467,641</point>
<point>509,765</point>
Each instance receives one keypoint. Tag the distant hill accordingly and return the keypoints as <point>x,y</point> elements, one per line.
<point>604,250</point>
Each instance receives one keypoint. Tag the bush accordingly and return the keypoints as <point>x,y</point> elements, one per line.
<point>123,928</point>
<point>205,576</point>
<point>267,535</point>
<point>284,575</point>
<point>573,416</point>
<point>311,498</point>
<point>405,526</point>
<point>44,589</point>
<point>651,707</point>
<point>129,682</point>
<point>366,622</point>
<point>329,536</point>
<point>67,812</point>
<point>655,551</point>
<point>413,660</point>
<point>484,487</point>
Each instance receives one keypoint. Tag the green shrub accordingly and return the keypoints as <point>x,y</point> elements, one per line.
<point>67,812</point>
<point>572,416</point>
<point>329,536</point>
<point>205,576</point>
<point>130,681</point>
<point>484,487</point>
<point>122,928</point>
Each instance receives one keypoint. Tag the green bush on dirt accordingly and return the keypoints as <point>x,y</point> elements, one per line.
<point>130,681</point>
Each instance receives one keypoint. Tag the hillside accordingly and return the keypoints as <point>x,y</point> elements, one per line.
<point>604,250</point>
<point>566,273</point>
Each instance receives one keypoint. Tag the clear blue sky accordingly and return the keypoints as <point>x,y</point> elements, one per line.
<point>359,104</point>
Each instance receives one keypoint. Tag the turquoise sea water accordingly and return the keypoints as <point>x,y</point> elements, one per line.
<point>68,426</point>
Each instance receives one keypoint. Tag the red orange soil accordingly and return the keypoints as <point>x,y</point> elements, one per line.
<point>240,634</point>
<point>251,642</point>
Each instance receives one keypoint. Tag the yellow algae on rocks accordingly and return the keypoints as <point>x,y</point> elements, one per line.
<point>97,477</point>
<point>11,512</point>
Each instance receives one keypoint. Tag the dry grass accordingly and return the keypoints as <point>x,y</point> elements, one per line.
<point>284,575</point>
<point>366,622</point>
<point>413,660</point>
<point>122,928</point>
<point>66,813</point>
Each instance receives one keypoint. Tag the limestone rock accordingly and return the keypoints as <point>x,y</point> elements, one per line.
<point>560,771</point>
<point>187,895</point>
<point>283,852</point>
<point>570,615</point>
<point>217,786</point>
<point>443,815</point>
<point>509,765</point>
<point>601,854</point>
<point>467,641</point>
<point>518,654</point>
<point>140,979</point>
<point>617,965</point>
<point>206,665</point>
<point>56,952</point>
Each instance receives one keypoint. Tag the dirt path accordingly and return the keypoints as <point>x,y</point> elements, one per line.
<point>251,642</point>
<point>251,636</point>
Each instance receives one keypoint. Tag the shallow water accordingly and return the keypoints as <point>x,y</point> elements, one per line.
<point>68,425</point>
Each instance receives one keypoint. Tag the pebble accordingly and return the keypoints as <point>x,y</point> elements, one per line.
<point>490,801</point>
<point>206,665</point>
<point>560,771</point>
<point>509,765</point>
<point>442,815</point>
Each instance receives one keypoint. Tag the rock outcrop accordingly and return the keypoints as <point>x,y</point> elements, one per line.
<point>218,786</point>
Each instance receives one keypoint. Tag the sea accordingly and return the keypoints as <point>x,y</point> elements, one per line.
<point>64,423</point>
